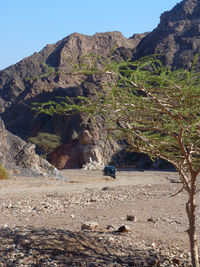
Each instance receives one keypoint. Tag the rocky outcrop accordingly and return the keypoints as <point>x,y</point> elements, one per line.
<point>84,149</point>
<point>177,37</point>
<point>20,157</point>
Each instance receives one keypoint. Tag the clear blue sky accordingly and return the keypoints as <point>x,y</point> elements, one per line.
<point>26,26</point>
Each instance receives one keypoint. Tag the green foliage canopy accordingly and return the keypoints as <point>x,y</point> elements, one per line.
<point>154,108</point>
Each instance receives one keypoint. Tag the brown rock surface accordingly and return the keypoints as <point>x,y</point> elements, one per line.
<point>80,151</point>
<point>86,138</point>
<point>67,156</point>
<point>177,37</point>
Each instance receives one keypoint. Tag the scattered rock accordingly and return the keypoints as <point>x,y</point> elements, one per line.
<point>131,218</point>
<point>176,261</point>
<point>93,165</point>
<point>154,262</point>
<point>111,227</point>
<point>151,220</point>
<point>89,225</point>
<point>124,229</point>
<point>105,188</point>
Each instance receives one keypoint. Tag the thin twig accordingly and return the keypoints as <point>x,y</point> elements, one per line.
<point>177,192</point>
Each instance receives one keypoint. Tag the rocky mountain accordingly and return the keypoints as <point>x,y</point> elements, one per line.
<point>176,40</point>
<point>19,89</point>
<point>177,37</point>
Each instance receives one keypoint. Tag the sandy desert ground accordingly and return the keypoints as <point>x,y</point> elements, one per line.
<point>41,220</point>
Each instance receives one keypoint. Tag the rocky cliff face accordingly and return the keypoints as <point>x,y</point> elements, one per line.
<point>177,37</point>
<point>20,157</point>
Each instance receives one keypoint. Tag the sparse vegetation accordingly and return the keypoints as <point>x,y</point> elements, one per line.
<point>46,142</point>
<point>3,172</point>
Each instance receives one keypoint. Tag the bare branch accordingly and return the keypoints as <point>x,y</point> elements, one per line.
<point>178,192</point>
<point>163,108</point>
<point>184,151</point>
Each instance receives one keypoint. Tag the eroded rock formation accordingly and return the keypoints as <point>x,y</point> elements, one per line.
<point>177,37</point>
<point>20,157</point>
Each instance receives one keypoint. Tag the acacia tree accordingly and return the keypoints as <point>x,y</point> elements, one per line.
<point>156,110</point>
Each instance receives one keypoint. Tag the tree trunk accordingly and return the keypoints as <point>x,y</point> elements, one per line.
<point>190,208</point>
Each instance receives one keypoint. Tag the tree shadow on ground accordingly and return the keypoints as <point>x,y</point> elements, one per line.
<point>42,247</point>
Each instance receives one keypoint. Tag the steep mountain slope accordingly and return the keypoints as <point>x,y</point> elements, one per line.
<point>18,92</point>
<point>177,37</point>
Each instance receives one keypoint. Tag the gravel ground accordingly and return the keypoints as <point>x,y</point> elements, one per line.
<point>41,219</point>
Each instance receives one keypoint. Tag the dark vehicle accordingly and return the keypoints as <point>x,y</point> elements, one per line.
<point>110,171</point>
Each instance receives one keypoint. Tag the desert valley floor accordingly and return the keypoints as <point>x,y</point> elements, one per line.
<point>41,220</point>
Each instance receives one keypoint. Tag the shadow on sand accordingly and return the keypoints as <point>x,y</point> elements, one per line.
<point>42,247</point>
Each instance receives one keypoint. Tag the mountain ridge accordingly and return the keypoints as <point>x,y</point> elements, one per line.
<point>177,36</point>
<point>176,39</point>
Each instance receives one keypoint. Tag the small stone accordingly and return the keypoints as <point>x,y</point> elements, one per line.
<point>131,218</point>
<point>151,220</point>
<point>105,188</point>
<point>154,262</point>
<point>176,261</point>
<point>89,225</point>
<point>72,215</point>
<point>110,226</point>
<point>93,200</point>
<point>124,229</point>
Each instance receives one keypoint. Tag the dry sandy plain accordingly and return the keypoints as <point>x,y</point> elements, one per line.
<point>41,220</point>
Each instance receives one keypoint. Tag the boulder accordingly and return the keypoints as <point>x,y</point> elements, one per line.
<point>93,165</point>
<point>86,139</point>
<point>91,153</point>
